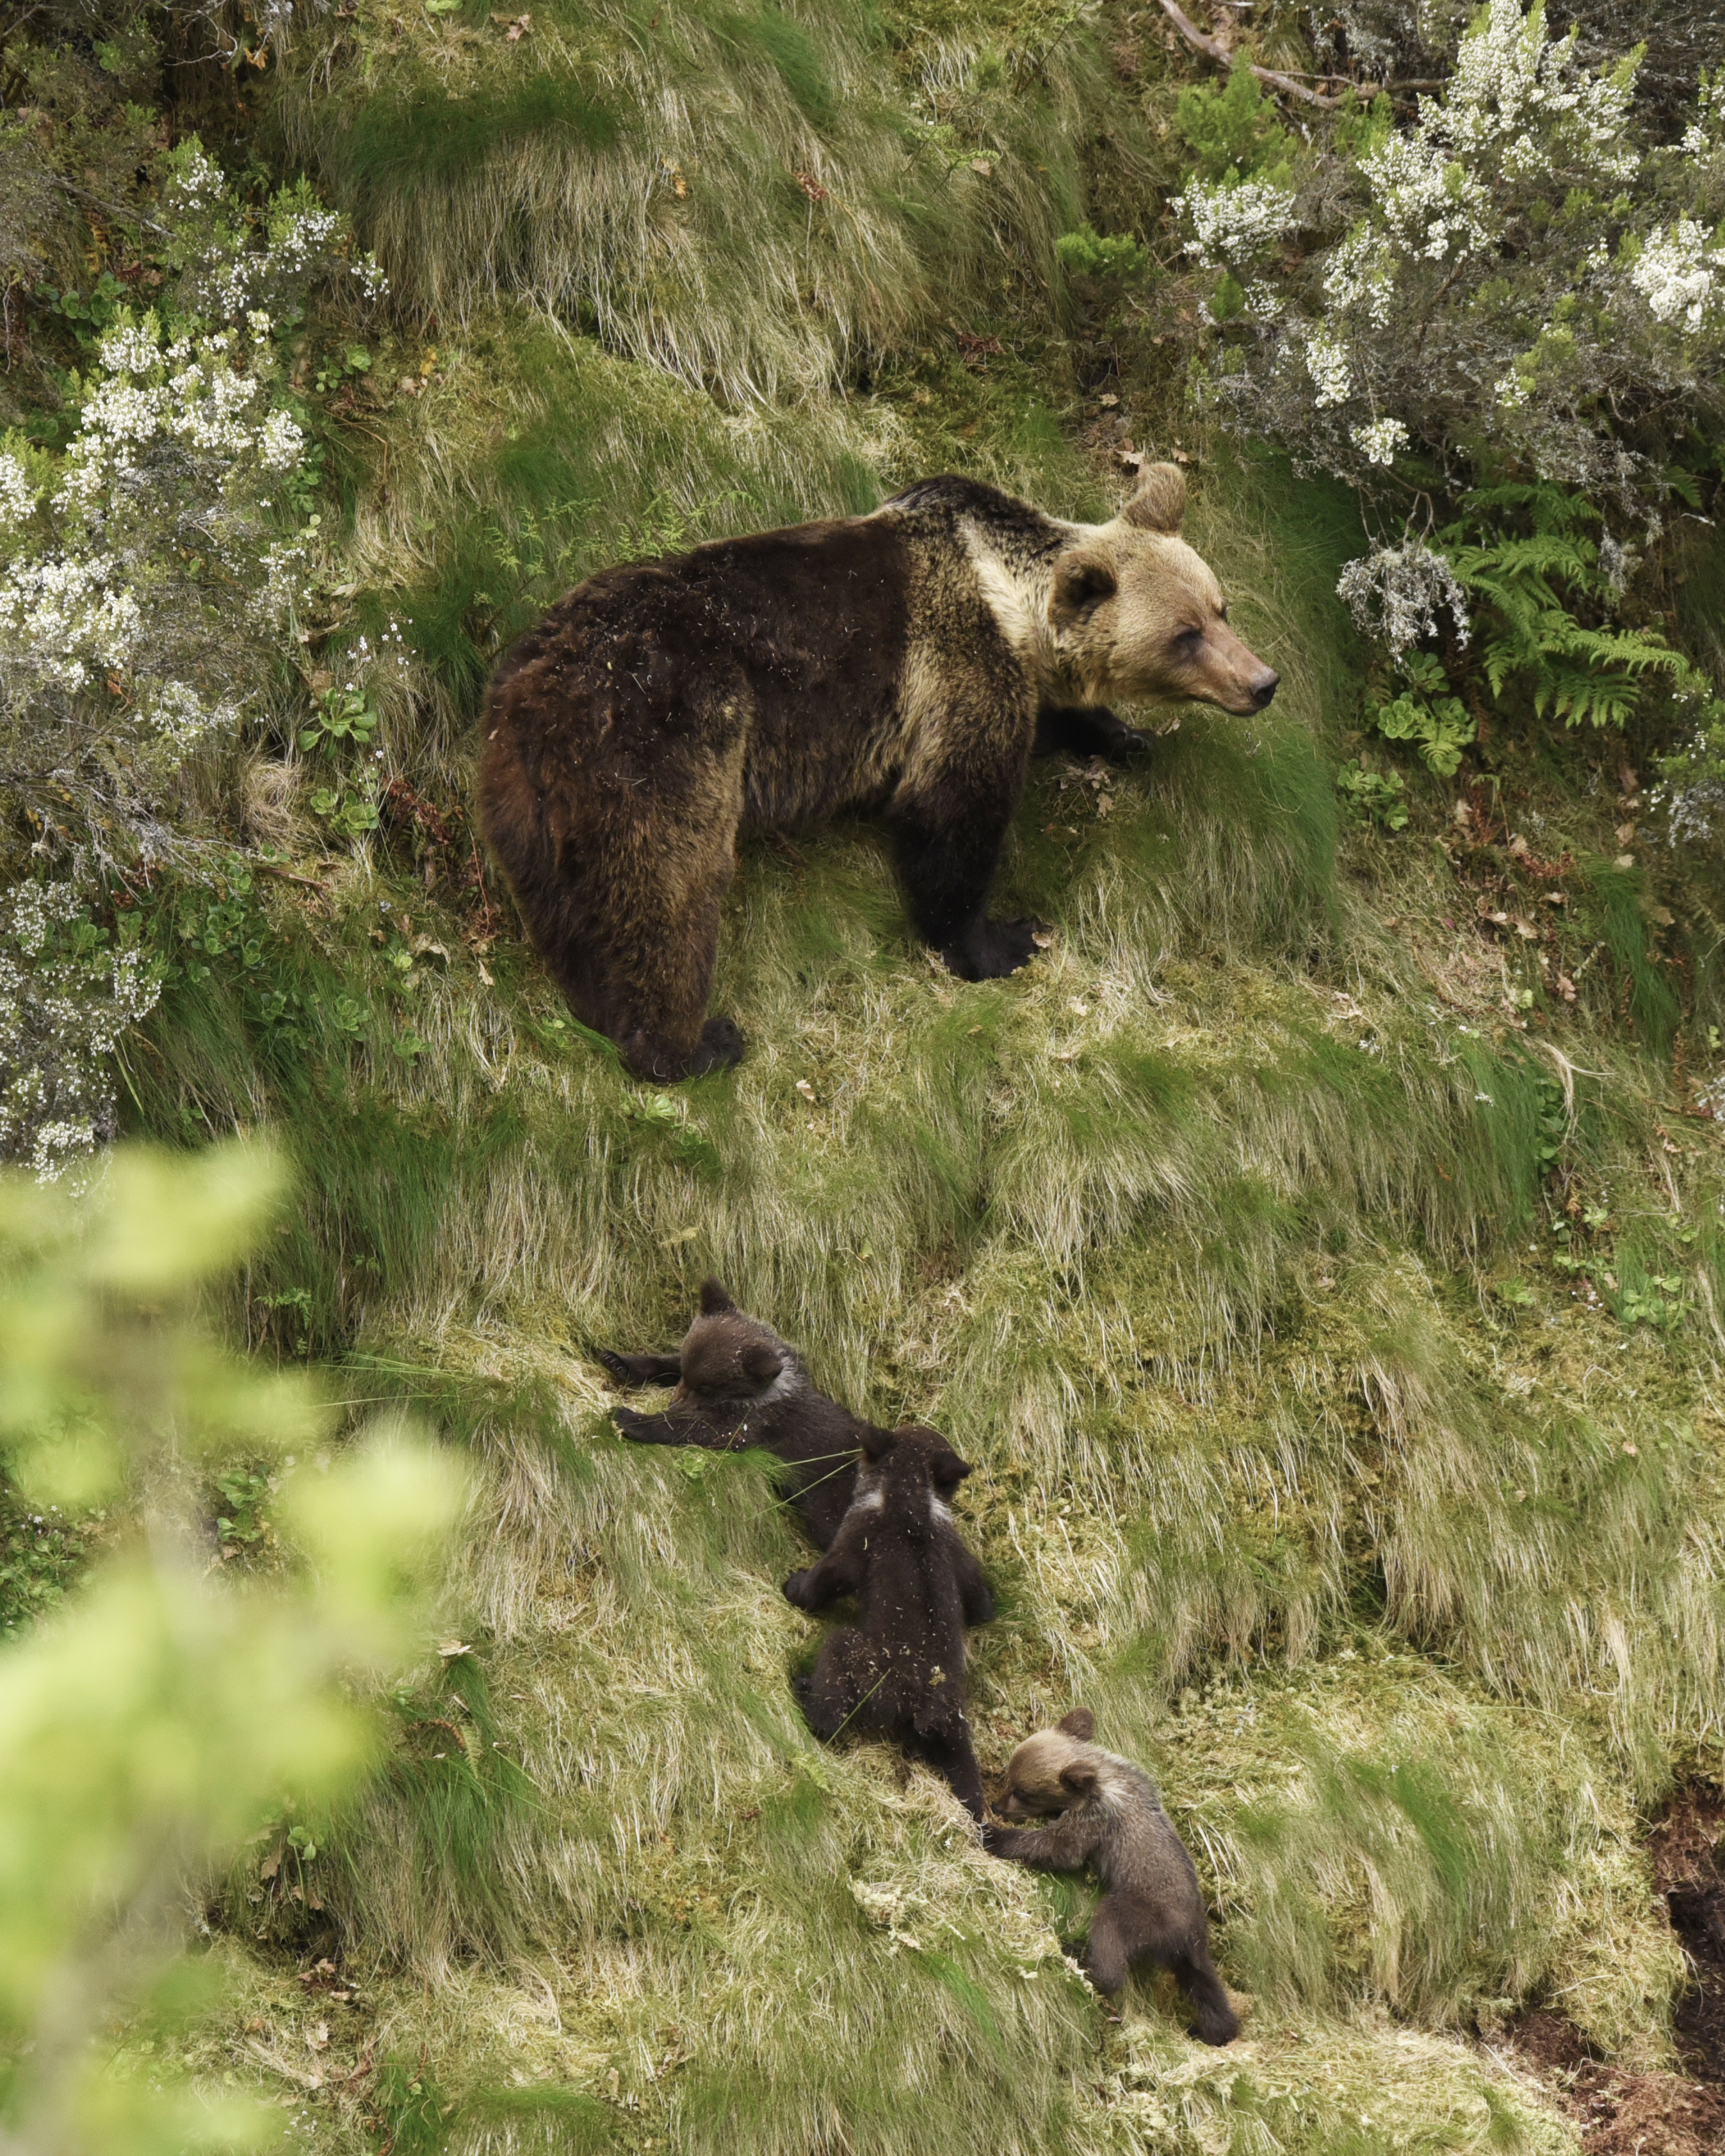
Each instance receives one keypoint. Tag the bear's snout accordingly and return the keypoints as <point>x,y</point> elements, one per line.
<point>1264,687</point>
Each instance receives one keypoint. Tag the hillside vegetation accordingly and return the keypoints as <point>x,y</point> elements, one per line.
<point>1319,1249</point>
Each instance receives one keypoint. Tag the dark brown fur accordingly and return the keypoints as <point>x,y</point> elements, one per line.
<point>900,1671</point>
<point>1109,1815</point>
<point>896,662</point>
<point>739,1385</point>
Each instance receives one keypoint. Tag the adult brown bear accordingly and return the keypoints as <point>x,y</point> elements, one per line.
<point>904,661</point>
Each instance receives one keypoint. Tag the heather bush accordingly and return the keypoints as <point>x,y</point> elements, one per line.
<point>153,571</point>
<point>1503,324</point>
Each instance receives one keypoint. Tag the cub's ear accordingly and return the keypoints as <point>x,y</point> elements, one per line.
<point>1160,501</point>
<point>1080,1723</point>
<point>761,1363</point>
<point>1079,1777</point>
<point>948,1471</point>
<point>714,1298</point>
<point>877,1443</point>
<point>1082,581</point>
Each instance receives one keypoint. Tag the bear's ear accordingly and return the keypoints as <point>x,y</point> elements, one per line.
<point>1080,1723</point>
<point>761,1363</point>
<point>1160,501</point>
<point>948,1470</point>
<point>714,1298</point>
<point>1079,1777</point>
<point>877,1443</point>
<point>1082,581</point>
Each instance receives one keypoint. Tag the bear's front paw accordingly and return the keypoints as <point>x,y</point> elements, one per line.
<point>616,1367</point>
<point>796,1590</point>
<point>994,1838</point>
<point>1126,745</point>
<point>721,1045</point>
<point>630,1424</point>
<point>993,949</point>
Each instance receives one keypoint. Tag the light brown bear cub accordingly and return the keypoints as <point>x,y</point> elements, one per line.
<point>901,663</point>
<point>1109,1815</point>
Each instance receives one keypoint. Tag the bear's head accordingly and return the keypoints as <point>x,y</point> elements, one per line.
<point>1136,613</point>
<point>727,1357</point>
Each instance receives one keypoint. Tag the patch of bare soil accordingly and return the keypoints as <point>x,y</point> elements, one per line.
<point>1619,2114</point>
<point>1626,2114</point>
<point>1688,1848</point>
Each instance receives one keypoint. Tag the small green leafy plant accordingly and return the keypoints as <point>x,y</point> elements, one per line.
<point>344,716</point>
<point>1374,796</point>
<point>1427,712</point>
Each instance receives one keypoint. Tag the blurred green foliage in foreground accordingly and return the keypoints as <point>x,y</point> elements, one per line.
<point>175,1704</point>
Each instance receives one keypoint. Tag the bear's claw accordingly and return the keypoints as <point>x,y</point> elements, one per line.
<point>993,949</point>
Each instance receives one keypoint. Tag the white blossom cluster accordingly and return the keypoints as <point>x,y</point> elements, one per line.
<point>1332,370</point>
<point>224,275</point>
<point>1395,593</point>
<point>66,997</point>
<point>1518,96</point>
<point>173,443</point>
<point>1705,135</point>
<point>1680,274</point>
<point>1379,442</point>
<point>1233,226</point>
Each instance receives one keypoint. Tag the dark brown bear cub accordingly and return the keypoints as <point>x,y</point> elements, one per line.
<point>739,1385</point>
<point>895,663</point>
<point>900,1671</point>
<point>1108,1815</point>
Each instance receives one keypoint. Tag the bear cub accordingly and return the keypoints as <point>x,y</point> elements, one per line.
<point>900,1671</point>
<point>1109,1815</point>
<point>739,1385</point>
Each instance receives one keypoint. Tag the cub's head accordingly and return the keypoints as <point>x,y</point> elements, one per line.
<point>726,1356</point>
<point>1135,613</point>
<point>1049,1772</point>
<point>914,1453</point>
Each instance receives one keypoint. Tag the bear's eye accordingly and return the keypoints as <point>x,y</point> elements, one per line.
<point>1188,640</point>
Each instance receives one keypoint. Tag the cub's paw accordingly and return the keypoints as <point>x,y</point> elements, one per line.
<point>993,949</point>
<point>994,1838</point>
<point>616,1367</point>
<point>721,1045</point>
<point>629,1424</point>
<point>796,1590</point>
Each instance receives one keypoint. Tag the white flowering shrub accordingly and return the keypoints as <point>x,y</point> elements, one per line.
<point>1508,310</point>
<point>1511,282</point>
<point>69,990</point>
<point>149,573</point>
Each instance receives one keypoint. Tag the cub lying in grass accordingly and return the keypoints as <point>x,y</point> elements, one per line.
<point>738,1385</point>
<point>1109,1815</point>
<point>900,1673</point>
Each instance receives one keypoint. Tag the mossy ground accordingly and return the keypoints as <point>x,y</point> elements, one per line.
<point>1328,1296</point>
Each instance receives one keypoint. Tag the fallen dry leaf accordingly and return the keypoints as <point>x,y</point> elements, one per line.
<point>807,1090</point>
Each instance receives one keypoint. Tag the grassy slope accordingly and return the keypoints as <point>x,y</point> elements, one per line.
<point>1221,1239</point>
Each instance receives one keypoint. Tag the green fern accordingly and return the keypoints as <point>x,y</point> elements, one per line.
<point>1540,588</point>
